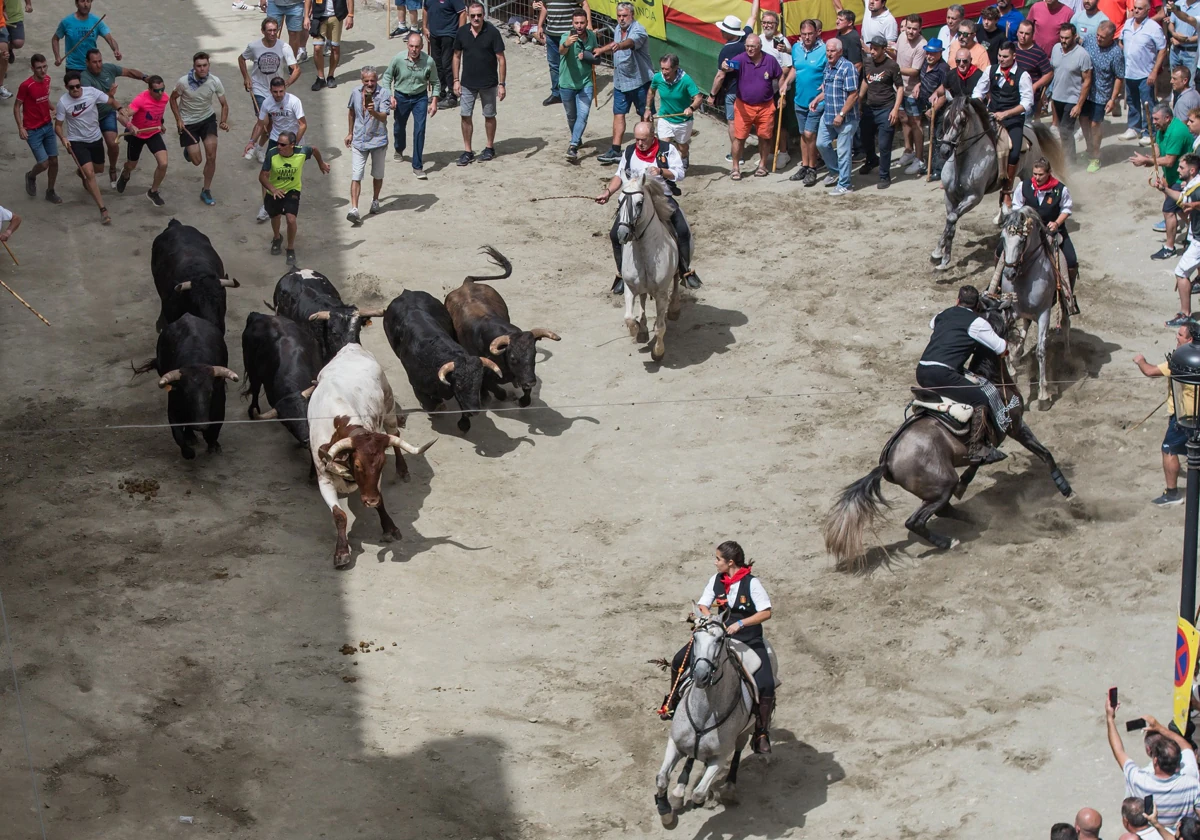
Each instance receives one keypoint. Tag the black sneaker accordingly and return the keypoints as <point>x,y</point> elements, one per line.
<point>1169,498</point>
<point>31,184</point>
<point>1196,287</point>
<point>573,154</point>
<point>398,31</point>
<point>291,258</point>
<point>155,198</point>
<point>1179,320</point>
<point>330,82</point>
<point>611,156</point>
<point>277,246</point>
<point>466,158</point>
<point>867,168</point>
<point>122,183</point>
<point>1163,253</point>
<point>810,180</point>
<point>53,197</point>
<point>552,100</point>
<point>799,175</point>
<point>318,84</point>
<point>883,185</point>
<point>488,154</point>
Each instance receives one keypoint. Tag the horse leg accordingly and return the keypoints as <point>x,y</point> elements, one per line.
<point>1043,388</point>
<point>665,809</point>
<point>681,784</point>
<point>966,478</point>
<point>940,255</point>
<point>661,302</point>
<point>643,335</point>
<point>711,769</point>
<point>1022,434</point>
<point>630,323</point>
<point>916,522</point>
<point>676,300</point>
<point>953,214</point>
<point>729,787</point>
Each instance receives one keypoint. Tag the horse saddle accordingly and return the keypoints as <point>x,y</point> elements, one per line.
<point>749,662</point>
<point>1003,144</point>
<point>955,416</point>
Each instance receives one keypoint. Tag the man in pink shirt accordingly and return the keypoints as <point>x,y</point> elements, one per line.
<point>1047,16</point>
<point>145,131</point>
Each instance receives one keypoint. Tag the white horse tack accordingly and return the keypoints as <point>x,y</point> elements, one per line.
<point>649,261</point>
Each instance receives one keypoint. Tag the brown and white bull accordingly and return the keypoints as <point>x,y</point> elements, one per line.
<point>352,423</point>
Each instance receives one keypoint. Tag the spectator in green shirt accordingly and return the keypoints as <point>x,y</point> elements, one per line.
<point>280,177</point>
<point>412,81</point>
<point>575,79</point>
<point>1173,140</point>
<point>678,98</point>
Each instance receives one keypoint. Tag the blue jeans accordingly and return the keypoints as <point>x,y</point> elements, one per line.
<point>1184,58</point>
<point>1138,94</point>
<point>292,15</point>
<point>877,130</point>
<point>418,106</point>
<point>845,143</point>
<point>577,104</point>
<point>552,59</point>
<point>43,142</point>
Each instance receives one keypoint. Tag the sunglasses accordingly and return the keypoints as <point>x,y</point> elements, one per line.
<point>74,87</point>
<point>962,36</point>
<point>962,61</point>
<point>157,90</point>
<point>475,17</point>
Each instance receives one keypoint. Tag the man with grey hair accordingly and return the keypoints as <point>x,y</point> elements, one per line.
<point>280,178</point>
<point>367,138</point>
<point>630,49</point>
<point>413,80</point>
<point>948,34</point>
<point>839,93</point>
<point>1172,141</point>
<point>679,98</point>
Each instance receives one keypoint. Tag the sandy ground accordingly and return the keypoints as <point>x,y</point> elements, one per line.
<point>179,649</point>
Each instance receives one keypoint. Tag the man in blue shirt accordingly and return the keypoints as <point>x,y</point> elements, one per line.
<point>630,48</point>
<point>808,62</point>
<point>1181,34</point>
<point>77,30</point>
<point>839,93</point>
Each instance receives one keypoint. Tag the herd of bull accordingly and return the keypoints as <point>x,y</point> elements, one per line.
<point>327,390</point>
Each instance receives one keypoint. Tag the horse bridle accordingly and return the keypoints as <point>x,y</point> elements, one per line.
<point>715,661</point>
<point>722,652</point>
<point>637,218</point>
<point>1023,230</point>
<point>969,140</point>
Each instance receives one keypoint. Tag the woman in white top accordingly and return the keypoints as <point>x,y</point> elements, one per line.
<point>746,603</point>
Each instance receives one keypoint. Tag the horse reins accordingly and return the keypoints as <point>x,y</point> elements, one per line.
<point>700,731</point>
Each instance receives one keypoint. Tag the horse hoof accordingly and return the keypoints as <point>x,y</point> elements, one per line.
<point>729,795</point>
<point>669,820</point>
<point>673,315</point>
<point>632,326</point>
<point>1043,405</point>
<point>935,257</point>
<point>657,356</point>
<point>942,266</point>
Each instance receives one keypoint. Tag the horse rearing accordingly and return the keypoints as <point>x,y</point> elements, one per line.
<point>972,169</point>
<point>649,259</point>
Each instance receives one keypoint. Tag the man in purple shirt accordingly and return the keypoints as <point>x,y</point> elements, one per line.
<point>754,107</point>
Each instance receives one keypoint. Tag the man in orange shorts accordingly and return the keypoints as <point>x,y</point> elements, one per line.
<point>754,108</point>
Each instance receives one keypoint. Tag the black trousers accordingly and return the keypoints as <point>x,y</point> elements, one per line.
<point>764,677</point>
<point>1015,126</point>
<point>952,385</point>
<point>441,50</point>
<point>683,236</point>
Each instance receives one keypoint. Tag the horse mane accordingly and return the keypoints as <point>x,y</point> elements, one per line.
<point>981,113</point>
<point>659,201</point>
<point>1043,232</point>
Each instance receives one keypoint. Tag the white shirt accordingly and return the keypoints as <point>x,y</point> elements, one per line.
<point>784,57</point>
<point>1018,198</point>
<point>1174,797</point>
<point>983,85</point>
<point>883,24</point>
<point>981,331</point>
<point>267,63</point>
<point>80,115</point>
<point>637,166</point>
<point>285,115</point>
<point>757,593</point>
<point>1024,87</point>
<point>1141,45</point>
<point>947,40</point>
<point>5,215</point>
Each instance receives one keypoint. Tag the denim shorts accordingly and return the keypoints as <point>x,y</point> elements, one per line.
<point>1092,111</point>
<point>1175,440</point>
<point>623,100</point>
<point>43,142</point>
<point>808,119</point>
<point>730,98</point>
<point>293,15</point>
<point>909,106</point>
<point>109,122</point>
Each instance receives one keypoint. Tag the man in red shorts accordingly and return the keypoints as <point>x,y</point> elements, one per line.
<point>754,107</point>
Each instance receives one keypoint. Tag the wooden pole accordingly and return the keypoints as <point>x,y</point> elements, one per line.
<point>18,297</point>
<point>932,140</point>
<point>388,3</point>
<point>778,127</point>
<point>10,253</point>
<point>86,35</point>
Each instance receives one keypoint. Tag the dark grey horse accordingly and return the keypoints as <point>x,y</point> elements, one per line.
<point>924,457</point>
<point>968,143</point>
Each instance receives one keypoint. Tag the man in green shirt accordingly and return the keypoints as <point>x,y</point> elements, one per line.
<point>678,98</point>
<point>575,79</point>
<point>103,75</point>
<point>1172,140</point>
<point>280,177</point>
<point>411,78</point>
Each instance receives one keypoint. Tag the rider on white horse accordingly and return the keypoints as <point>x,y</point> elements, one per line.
<point>661,163</point>
<point>743,594</point>
<point>1052,201</point>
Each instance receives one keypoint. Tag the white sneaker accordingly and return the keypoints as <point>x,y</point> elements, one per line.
<point>263,216</point>
<point>374,206</point>
<point>112,184</point>
<point>302,56</point>
<point>915,167</point>
<point>261,153</point>
<point>420,175</point>
<point>830,180</point>
<point>1130,134</point>
<point>837,192</point>
<point>782,160</point>
<point>1145,141</point>
<point>1054,131</point>
<point>906,159</point>
<point>249,153</point>
<point>5,93</point>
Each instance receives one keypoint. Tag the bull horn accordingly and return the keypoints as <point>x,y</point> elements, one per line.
<point>230,283</point>
<point>224,373</point>
<point>308,392</point>
<point>370,313</point>
<point>338,448</point>
<point>323,315</point>
<point>184,286</point>
<point>500,344</point>
<point>272,414</point>
<point>169,377</point>
<point>543,333</point>
<point>444,371</point>
<point>492,366</point>
<point>396,440</point>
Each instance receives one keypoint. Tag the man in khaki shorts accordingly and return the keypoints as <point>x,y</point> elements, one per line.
<point>678,98</point>
<point>323,20</point>
<point>367,139</point>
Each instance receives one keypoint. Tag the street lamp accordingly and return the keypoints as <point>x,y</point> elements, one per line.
<point>1184,365</point>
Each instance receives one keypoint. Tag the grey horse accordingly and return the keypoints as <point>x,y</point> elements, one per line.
<point>712,723</point>
<point>1027,277</point>
<point>972,170</point>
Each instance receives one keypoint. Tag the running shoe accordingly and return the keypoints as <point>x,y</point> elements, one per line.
<point>1169,498</point>
<point>1163,253</point>
<point>318,84</point>
<point>552,100</point>
<point>353,218</point>
<point>466,158</point>
<point>207,198</point>
<point>122,183</point>
<point>374,206</point>
<point>1093,165</point>
<point>611,156</point>
<point>330,81</point>
<point>1179,320</point>
<point>263,215</point>
<point>1130,134</point>
<point>398,155</point>
<point>488,154</point>
<point>5,93</point>
<point>53,197</point>
<point>419,174</point>
<point>838,192</point>
<point>1160,226</point>
<point>31,184</point>
<point>906,158</point>
<point>301,56</point>
<point>573,153</point>
<point>277,246</point>
<point>155,198</point>
<point>291,258</point>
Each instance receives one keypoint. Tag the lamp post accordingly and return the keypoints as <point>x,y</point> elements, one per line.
<point>1184,365</point>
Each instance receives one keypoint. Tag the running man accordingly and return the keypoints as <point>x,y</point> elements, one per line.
<point>280,177</point>
<point>281,112</point>
<point>78,116</point>
<point>32,112</point>
<point>267,57</point>
<point>80,31</point>
<point>191,105</point>
<point>145,131</point>
<point>103,75</point>
<point>323,19</point>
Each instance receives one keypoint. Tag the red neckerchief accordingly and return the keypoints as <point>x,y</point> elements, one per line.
<point>1008,77</point>
<point>647,156</point>
<point>1039,189</point>
<point>967,75</point>
<point>730,580</point>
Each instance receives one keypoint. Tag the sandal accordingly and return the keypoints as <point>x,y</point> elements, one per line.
<point>105,219</point>
<point>760,173</point>
<point>735,175</point>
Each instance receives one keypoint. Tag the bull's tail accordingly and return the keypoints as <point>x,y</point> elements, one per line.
<point>1052,150</point>
<point>144,367</point>
<point>497,259</point>
<point>855,508</point>
<point>269,306</point>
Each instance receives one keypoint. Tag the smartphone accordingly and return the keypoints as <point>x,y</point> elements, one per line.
<point>1148,804</point>
<point>1112,697</point>
<point>1135,724</point>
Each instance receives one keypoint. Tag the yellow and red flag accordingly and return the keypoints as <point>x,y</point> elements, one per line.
<point>1186,639</point>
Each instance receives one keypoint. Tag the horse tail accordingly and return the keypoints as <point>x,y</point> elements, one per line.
<point>1051,150</point>
<point>497,259</point>
<point>855,508</point>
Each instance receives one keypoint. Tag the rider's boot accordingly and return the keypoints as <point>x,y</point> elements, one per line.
<point>1072,276</point>
<point>1006,186</point>
<point>618,286</point>
<point>979,451</point>
<point>761,742</point>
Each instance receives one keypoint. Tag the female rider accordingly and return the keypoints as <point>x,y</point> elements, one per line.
<point>734,588</point>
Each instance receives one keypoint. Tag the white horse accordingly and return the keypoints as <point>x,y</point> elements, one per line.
<point>649,259</point>
<point>712,723</point>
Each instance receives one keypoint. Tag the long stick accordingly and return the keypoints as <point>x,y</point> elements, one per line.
<point>10,253</point>
<point>932,140</point>
<point>18,297</point>
<point>388,3</point>
<point>559,197</point>
<point>595,90</point>
<point>778,129</point>
<point>86,35</point>
<point>1148,416</point>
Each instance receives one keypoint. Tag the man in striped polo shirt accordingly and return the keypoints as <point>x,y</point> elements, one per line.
<point>1172,776</point>
<point>554,23</point>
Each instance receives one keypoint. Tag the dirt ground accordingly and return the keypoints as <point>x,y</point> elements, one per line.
<point>178,647</point>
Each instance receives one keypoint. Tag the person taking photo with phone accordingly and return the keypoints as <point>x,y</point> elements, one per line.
<point>1172,777</point>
